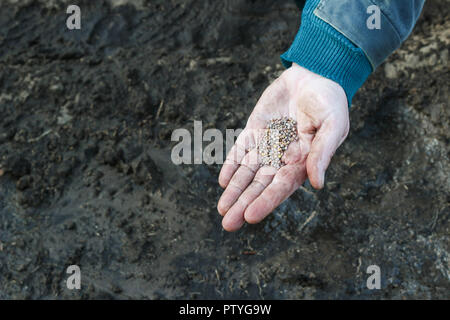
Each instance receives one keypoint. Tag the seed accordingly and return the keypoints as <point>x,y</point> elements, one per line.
<point>275,139</point>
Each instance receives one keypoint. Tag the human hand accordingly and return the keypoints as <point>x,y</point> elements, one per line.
<point>320,107</point>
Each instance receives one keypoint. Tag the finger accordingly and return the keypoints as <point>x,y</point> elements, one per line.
<point>298,149</point>
<point>328,138</point>
<point>243,144</point>
<point>247,140</point>
<point>288,179</point>
<point>293,153</point>
<point>234,218</point>
<point>240,180</point>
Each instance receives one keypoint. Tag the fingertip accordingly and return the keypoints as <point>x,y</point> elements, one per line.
<point>226,173</point>
<point>250,216</point>
<point>220,208</point>
<point>224,178</point>
<point>226,226</point>
<point>231,226</point>
<point>316,178</point>
<point>222,182</point>
<point>316,184</point>
<point>315,173</point>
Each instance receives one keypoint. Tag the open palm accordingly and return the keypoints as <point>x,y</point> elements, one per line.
<point>320,108</point>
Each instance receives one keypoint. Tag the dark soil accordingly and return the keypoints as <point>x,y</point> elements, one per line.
<point>86,176</point>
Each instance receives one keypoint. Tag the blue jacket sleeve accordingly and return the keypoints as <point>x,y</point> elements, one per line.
<point>339,39</point>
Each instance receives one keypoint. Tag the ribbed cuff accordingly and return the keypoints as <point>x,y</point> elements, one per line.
<point>322,49</point>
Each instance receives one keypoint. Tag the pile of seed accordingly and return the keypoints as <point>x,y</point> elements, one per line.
<point>275,140</point>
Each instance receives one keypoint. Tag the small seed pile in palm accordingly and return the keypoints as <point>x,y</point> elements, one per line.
<point>275,140</point>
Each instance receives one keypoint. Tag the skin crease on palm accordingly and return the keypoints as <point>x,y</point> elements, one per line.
<point>320,107</point>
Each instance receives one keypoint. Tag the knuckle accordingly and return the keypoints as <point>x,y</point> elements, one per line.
<point>282,176</point>
<point>235,185</point>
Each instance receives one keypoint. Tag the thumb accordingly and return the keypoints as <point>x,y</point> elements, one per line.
<point>327,139</point>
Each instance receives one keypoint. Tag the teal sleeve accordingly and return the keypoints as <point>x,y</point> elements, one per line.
<point>321,49</point>
<point>336,41</point>
<point>378,27</point>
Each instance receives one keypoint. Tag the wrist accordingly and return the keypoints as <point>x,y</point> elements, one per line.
<point>321,49</point>
<point>299,79</point>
